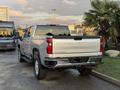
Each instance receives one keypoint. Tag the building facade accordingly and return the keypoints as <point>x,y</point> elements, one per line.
<point>4,14</point>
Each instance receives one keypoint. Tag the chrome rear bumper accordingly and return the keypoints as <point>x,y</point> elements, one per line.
<point>61,63</point>
<point>74,64</point>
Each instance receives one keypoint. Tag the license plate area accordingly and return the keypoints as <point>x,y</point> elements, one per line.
<point>79,60</point>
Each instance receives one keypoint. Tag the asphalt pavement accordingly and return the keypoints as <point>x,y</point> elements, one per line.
<point>19,76</point>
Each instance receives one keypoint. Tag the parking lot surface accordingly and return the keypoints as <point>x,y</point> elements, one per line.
<point>19,76</point>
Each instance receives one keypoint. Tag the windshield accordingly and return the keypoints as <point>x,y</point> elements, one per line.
<point>6,32</point>
<point>52,30</point>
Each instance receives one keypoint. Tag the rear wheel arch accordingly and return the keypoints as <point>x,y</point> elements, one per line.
<point>39,55</point>
<point>35,50</point>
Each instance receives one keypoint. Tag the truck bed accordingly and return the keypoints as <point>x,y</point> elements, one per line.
<point>75,46</point>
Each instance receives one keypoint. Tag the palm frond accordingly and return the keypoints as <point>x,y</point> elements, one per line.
<point>105,14</point>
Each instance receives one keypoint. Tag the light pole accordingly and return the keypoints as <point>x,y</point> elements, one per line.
<point>53,12</point>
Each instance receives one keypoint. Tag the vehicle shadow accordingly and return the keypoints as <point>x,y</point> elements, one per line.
<point>10,52</point>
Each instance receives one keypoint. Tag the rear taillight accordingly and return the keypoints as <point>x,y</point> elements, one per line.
<point>49,46</point>
<point>101,45</point>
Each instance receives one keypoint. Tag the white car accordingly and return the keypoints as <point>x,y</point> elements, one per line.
<point>51,46</point>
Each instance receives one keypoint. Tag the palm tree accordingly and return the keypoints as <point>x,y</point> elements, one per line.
<point>105,16</point>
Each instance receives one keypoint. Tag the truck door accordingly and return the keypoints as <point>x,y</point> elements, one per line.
<point>26,43</point>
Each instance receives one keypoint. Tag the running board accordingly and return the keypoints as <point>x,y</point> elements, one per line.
<point>28,59</point>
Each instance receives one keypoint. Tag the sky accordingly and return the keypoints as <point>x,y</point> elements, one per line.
<point>46,11</point>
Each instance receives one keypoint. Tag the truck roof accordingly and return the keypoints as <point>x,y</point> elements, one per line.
<point>53,25</point>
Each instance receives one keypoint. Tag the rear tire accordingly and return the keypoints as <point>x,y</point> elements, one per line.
<point>20,57</point>
<point>84,71</point>
<point>39,71</point>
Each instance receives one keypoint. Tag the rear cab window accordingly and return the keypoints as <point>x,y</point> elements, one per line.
<point>52,30</point>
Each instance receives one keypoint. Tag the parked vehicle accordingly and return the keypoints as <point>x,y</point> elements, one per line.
<point>51,46</point>
<point>7,35</point>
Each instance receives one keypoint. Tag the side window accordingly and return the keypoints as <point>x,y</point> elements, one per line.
<point>28,32</point>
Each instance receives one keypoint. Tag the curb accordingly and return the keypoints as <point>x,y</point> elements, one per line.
<point>106,78</point>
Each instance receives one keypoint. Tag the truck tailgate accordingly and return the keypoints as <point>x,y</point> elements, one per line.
<point>76,45</point>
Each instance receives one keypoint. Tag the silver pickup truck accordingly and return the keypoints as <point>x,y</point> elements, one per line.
<point>52,47</point>
<point>7,35</point>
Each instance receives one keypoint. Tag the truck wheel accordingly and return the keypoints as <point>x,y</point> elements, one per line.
<point>84,71</point>
<point>38,69</point>
<point>20,57</point>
